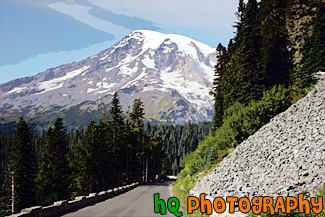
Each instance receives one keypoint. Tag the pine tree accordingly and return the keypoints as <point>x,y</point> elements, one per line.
<point>314,50</point>
<point>218,89</point>
<point>125,150</point>
<point>53,175</point>
<point>276,59</point>
<point>253,80</point>
<point>137,115</point>
<point>22,165</point>
<point>239,14</point>
<point>81,160</point>
<point>117,129</point>
<point>107,156</point>
<point>137,152</point>
<point>116,112</point>
<point>178,141</point>
<point>232,80</point>
<point>157,154</point>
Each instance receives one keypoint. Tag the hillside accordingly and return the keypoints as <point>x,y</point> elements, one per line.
<point>258,146</point>
<point>285,156</point>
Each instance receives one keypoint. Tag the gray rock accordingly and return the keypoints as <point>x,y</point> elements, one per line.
<point>284,157</point>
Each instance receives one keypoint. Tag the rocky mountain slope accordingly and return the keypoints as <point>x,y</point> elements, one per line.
<point>172,74</point>
<point>284,157</point>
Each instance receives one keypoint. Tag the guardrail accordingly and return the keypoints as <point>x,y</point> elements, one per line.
<point>63,207</point>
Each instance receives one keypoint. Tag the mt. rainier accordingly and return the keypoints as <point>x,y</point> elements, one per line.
<point>172,74</point>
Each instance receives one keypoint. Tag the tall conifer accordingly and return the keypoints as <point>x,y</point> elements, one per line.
<point>276,59</point>
<point>253,80</point>
<point>53,176</point>
<point>22,166</point>
<point>137,153</point>
<point>218,87</point>
<point>116,111</point>
<point>314,50</point>
<point>117,124</point>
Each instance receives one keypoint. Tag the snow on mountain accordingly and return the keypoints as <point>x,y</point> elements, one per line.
<point>172,74</point>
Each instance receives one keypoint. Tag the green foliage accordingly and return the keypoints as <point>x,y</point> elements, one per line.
<point>116,125</point>
<point>249,42</point>
<point>236,127</point>
<point>246,94</point>
<point>220,70</point>
<point>53,173</point>
<point>314,50</point>
<point>5,144</point>
<point>105,155</point>
<point>116,113</point>
<point>137,115</point>
<point>92,159</point>
<point>155,157</point>
<point>137,146</point>
<point>23,166</point>
<point>276,59</point>
<point>179,142</point>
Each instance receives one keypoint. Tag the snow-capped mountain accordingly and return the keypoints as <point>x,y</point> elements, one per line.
<point>172,74</point>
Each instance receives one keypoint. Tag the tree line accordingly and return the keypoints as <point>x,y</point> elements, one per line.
<point>267,66</point>
<point>119,149</point>
<point>276,43</point>
<point>56,166</point>
<point>180,141</point>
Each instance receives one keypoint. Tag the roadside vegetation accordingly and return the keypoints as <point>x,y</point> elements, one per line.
<point>265,68</point>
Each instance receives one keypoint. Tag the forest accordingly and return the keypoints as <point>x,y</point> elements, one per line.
<point>270,63</point>
<point>55,165</point>
<point>267,66</point>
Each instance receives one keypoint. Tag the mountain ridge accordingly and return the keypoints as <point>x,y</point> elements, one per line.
<point>171,73</point>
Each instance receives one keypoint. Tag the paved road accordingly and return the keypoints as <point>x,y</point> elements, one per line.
<point>137,202</point>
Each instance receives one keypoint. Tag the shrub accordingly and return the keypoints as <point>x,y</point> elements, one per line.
<point>239,123</point>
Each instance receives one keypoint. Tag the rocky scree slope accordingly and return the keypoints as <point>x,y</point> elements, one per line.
<point>284,157</point>
<point>172,74</point>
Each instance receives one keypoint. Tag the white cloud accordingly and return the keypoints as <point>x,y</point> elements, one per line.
<point>80,12</point>
<point>186,13</point>
<point>208,21</point>
<point>41,62</point>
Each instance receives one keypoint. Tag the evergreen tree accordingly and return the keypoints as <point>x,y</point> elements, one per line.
<point>178,141</point>
<point>125,150</point>
<point>5,144</point>
<point>239,14</point>
<point>276,59</point>
<point>116,112</point>
<point>53,175</point>
<point>106,154</point>
<point>137,149</point>
<point>22,165</point>
<point>157,155</point>
<point>117,129</point>
<point>231,82</point>
<point>137,115</point>
<point>314,51</point>
<point>253,80</point>
<point>218,95</point>
<point>81,160</point>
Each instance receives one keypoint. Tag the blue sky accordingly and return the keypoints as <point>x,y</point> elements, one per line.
<point>40,34</point>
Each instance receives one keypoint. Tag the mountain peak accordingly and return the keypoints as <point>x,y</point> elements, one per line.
<point>172,74</point>
<point>153,40</point>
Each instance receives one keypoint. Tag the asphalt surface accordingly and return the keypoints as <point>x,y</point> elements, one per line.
<point>136,202</point>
